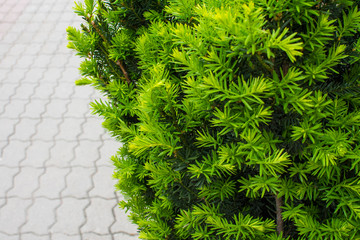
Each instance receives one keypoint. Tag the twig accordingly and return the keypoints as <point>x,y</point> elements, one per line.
<point>279,219</point>
<point>121,65</point>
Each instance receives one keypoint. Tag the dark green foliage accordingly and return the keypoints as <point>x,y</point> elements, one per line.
<point>239,119</point>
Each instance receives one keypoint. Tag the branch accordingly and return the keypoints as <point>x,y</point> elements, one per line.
<point>279,219</point>
<point>121,65</point>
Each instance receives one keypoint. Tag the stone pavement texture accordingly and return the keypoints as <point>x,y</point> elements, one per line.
<point>55,169</point>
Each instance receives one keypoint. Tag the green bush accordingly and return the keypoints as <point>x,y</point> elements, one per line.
<point>239,119</point>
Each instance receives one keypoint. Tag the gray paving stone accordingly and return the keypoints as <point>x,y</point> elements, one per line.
<point>14,109</point>
<point>35,108</point>
<point>34,75</point>
<point>78,182</point>
<point>61,236</point>
<point>53,74</point>
<point>78,108</point>
<point>7,127</point>
<point>86,153</point>
<point>93,236</point>
<point>45,90</point>
<point>56,108</point>
<point>9,237</point>
<point>49,48</point>
<point>70,129</point>
<point>70,216</point>
<point>6,179</point>
<point>99,216</point>
<point>58,60</point>
<point>25,17</point>
<point>24,91</point>
<point>83,92</point>
<point>8,61</point>
<point>32,236</point>
<point>108,149</point>
<point>64,91</point>
<point>124,236</point>
<point>61,154</point>
<point>4,47</point>
<point>25,37</point>
<point>39,17</point>
<point>25,129</point>
<point>7,90</point>
<point>14,207</point>
<point>10,37</point>
<point>25,183</point>
<point>40,216</point>
<point>52,182</point>
<point>37,154</point>
<point>92,129</point>
<point>16,75</point>
<point>26,61</point>
<point>47,129</point>
<point>12,156</point>
<point>42,61</point>
<point>33,48</point>
<point>16,49</point>
<point>122,223</point>
<point>103,183</point>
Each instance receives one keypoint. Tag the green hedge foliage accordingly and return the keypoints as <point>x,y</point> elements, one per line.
<point>239,119</point>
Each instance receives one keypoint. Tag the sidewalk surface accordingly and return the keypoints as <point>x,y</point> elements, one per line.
<point>55,169</point>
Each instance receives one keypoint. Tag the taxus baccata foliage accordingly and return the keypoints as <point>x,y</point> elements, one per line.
<point>239,119</point>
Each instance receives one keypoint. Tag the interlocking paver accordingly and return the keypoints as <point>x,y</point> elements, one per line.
<point>78,107</point>
<point>25,129</point>
<point>55,169</point>
<point>78,182</point>
<point>103,183</point>
<point>44,91</point>
<point>7,127</point>
<point>92,129</point>
<point>16,49</point>
<point>12,156</point>
<point>122,223</point>
<point>93,236</point>
<point>16,75</point>
<point>8,61</point>
<point>86,154</point>
<point>61,154</point>
<point>42,61</point>
<point>64,91</point>
<point>25,91</point>
<point>37,154</point>
<point>26,61</point>
<point>70,216</point>
<point>109,149</point>
<point>14,207</point>
<point>52,182</point>
<point>47,129</point>
<point>70,129</point>
<point>8,237</point>
<point>58,60</point>
<point>13,109</point>
<point>25,183</point>
<point>6,179</point>
<point>34,108</point>
<point>40,216</point>
<point>56,108</point>
<point>32,236</point>
<point>61,236</point>
<point>99,216</point>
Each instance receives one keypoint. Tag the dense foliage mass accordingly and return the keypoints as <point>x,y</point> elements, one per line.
<point>239,119</point>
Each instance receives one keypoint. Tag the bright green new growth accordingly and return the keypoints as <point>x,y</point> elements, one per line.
<point>239,119</point>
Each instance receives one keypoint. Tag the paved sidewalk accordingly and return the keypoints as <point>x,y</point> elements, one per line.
<point>55,170</point>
